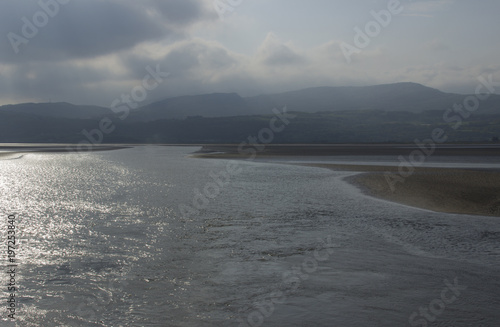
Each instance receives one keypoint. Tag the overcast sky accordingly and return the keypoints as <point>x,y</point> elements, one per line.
<point>92,51</point>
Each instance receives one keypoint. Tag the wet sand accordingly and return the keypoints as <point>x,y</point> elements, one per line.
<point>10,155</point>
<point>16,151</point>
<point>280,150</point>
<point>464,191</point>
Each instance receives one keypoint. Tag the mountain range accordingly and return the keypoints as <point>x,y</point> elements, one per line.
<point>64,122</point>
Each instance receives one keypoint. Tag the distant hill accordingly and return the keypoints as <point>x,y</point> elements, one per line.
<point>370,126</point>
<point>409,97</point>
<point>56,110</point>
<point>382,113</point>
<point>206,105</point>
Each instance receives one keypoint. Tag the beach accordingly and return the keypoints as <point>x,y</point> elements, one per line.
<point>465,191</point>
<point>10,155</point>
<point>9,151</point>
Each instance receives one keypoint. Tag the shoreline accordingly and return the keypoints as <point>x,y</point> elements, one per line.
<point>11,155</point>
<point>11,152</point>
<point>449,190</point>
<point>320,150</point>
<point>472,191</point>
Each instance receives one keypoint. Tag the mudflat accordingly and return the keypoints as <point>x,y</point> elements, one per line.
<point>279,150</point>
<point>9,155</point>
<point>17,150</point>
<point>465,191</point>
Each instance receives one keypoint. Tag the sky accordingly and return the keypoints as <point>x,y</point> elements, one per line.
<point>93,51</point>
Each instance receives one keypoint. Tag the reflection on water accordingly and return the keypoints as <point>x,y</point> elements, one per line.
<point>485,162</point>
<point>103,244</point>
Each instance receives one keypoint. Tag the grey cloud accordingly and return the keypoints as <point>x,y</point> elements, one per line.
<point>59,81</point>
<point>85,29</point>
<point>282,55</point>
<point>182,12</point>
<point>186,57</point>
<point>273,52</point>
<point>198,55</point>
<point>95,50</point>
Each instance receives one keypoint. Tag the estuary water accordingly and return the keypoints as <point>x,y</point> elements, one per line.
<point>148,236</point>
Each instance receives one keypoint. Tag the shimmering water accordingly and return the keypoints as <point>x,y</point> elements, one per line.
<point>123,238</point>
<point>478,162</point>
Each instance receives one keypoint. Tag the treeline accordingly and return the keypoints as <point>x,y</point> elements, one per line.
<point>371,126</point>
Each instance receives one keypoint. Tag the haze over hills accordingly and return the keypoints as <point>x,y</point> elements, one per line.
<point>206,105</point>
<point>56,110</point>
<point>325,115</point>
<point>409,97</point>
<point>390,97</point>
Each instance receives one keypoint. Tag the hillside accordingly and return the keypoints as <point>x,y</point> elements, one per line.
<point>206,105</point>
<point>409,97</point>
<point>383,113</point>
<point>56,110</point>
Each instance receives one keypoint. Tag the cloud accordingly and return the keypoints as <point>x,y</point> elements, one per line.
<point>272,52</point>
<point>426,8</point>
<point>200,66</point>
<point>182,12</point>
<point>92,51</point>
<point>90,28</point>
<point>437,45</point>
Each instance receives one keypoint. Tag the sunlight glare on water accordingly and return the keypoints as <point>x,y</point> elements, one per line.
<point>103,243</point>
